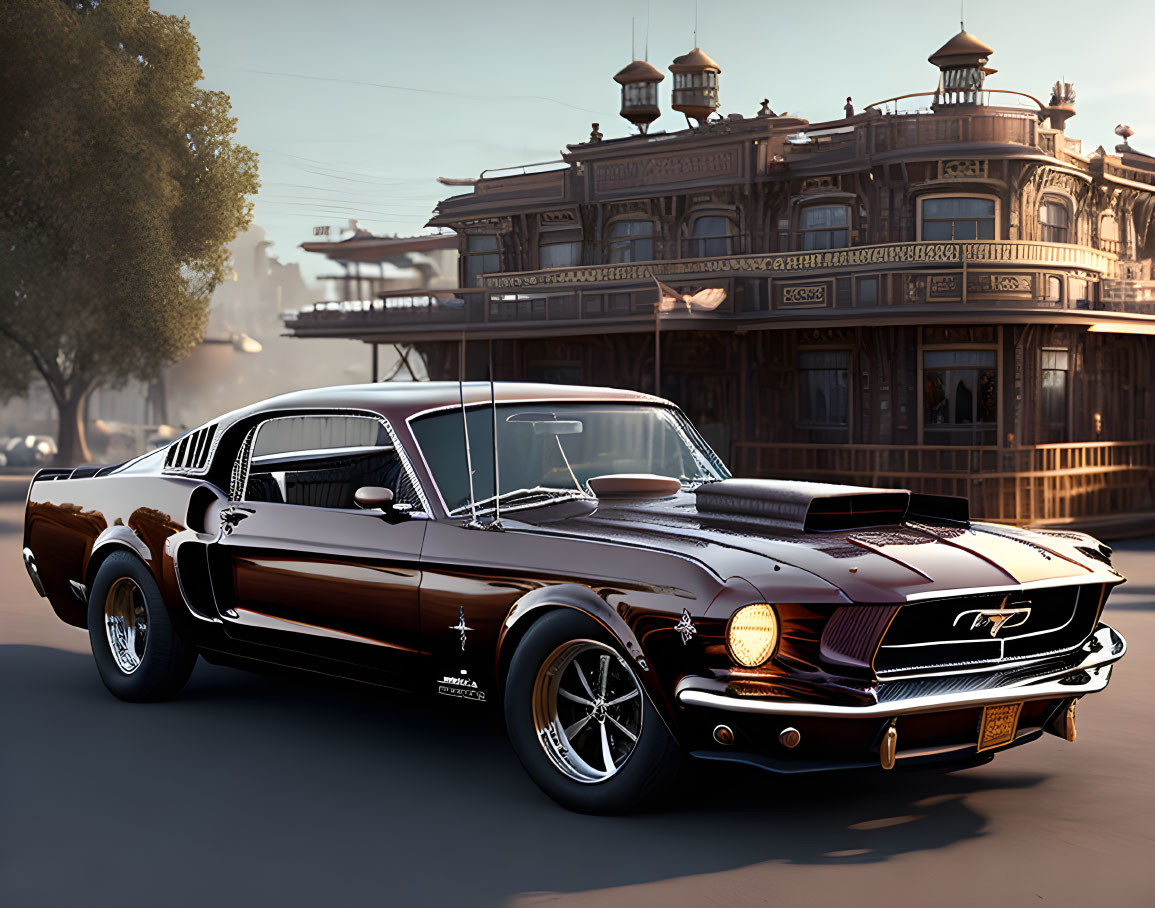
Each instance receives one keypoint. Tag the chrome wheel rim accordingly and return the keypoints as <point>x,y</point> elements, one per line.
<point>587,709</point>
<point>126,624</point>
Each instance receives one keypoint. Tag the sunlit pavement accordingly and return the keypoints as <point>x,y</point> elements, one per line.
<point>255,791</point>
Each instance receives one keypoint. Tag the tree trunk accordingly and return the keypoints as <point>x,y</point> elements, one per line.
<point>70,436</point>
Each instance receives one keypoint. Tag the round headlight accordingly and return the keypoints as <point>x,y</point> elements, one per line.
<point>752,634</point>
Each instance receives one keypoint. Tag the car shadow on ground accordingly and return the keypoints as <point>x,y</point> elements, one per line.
<point>303,792</point>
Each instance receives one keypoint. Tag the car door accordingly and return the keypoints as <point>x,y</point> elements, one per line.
<point>299,566</point>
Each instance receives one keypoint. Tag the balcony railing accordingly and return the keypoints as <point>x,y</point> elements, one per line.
<point>1040,484</point>
<point>868,281</point>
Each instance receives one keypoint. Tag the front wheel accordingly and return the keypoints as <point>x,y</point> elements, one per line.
<point>138,652</point>
<point>580,720</point>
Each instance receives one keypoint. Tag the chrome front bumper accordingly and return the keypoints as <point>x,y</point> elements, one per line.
<point>1089,676</point>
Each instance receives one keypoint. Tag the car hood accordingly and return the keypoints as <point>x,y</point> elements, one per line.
<point>897,563</point>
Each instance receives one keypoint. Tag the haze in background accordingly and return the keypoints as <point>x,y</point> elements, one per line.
<point>333,148</point>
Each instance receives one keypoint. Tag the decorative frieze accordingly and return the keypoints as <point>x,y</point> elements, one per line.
<point>661,170</point>
<point>832,183</point>
<point>857,257</point>
<point>1000,284</point>
<point>804,296</point>
<point>962,169</point>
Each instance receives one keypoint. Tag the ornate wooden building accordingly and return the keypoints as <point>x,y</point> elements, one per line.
<point>942,291</point>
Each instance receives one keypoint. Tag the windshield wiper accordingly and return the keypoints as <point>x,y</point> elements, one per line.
<point>546,493</point>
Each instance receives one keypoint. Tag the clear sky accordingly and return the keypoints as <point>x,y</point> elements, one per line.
<point>357,107</point>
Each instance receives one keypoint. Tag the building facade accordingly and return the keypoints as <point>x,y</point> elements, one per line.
<point>941,292</point>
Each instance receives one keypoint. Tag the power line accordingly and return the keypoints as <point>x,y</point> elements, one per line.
<point>411,88</point>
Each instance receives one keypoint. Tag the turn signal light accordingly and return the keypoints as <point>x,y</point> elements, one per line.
<point>752,634</point>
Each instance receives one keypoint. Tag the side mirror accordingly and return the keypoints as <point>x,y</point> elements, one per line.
<point>373,497</point>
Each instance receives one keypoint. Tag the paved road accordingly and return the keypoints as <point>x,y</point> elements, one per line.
<point>255,791</point>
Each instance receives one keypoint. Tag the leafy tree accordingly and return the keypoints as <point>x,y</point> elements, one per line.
<point>120,186</point>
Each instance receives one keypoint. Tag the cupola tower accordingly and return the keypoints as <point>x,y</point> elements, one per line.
<point>962,64</point>
<point>639,82</point>
<point>695,85</point>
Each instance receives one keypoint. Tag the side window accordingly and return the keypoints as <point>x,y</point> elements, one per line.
<point>320,462</point>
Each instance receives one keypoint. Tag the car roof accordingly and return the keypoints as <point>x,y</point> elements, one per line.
<point>400,400</point>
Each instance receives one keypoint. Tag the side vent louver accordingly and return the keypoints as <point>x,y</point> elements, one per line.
<point>191,453</point>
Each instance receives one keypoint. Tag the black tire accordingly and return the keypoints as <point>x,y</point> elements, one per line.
<point>165,661</point>
<point>648,768</point>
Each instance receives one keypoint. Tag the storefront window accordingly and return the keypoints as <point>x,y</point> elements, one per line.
<point>824,387</point>
<point>1053,387</point>
<point>958,218</point>
<point>960,397</point>
<point>825,226</point>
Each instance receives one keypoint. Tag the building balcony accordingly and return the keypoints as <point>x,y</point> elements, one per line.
<point>875,137</point>
<point>912,283</point>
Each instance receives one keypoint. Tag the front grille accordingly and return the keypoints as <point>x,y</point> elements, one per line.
<point>969,633</point>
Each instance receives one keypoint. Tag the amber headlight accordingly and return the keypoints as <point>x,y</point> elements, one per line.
<point>752,634</point>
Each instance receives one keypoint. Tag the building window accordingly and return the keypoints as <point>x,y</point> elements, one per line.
<point>824,387</point>
<point>1054,220</point>
<point>960,397</point>
<point>710,236</point>
<point>559,247</point>
<point>1078,292</point>
<point>867,294</point>
<point>1053,385</point>
<point>1109,233</point>
<point>958,218</point>
<point>640,94</point>
<point>482,256</point>
<point>825,226</point>
<point>631,241</point>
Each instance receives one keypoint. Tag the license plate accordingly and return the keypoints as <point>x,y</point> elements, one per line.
<point>998,725</point>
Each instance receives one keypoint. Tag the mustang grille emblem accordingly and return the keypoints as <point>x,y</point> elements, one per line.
<point>997,619</point>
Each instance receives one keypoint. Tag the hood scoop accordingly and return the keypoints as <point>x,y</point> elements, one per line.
<point>821,507</point>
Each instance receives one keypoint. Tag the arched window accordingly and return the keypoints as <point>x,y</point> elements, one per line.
<point>630,241</point>
<point>559,247</point>
<point>712,235</point>
<point>825,226</point>
<point>1054,220</point>
<point>958,218</point>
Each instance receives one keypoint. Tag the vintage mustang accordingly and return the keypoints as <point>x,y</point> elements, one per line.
<point>596,571</point>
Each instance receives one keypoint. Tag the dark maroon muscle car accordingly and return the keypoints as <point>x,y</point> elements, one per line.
<point>606,581</point>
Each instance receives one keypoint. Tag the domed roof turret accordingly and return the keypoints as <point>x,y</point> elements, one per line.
<point>639,71</point>
<point>962,50</point>
<point>696,61</point>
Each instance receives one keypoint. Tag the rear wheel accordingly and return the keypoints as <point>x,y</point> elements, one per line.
<point>139,654</point>
<point>580,720</point>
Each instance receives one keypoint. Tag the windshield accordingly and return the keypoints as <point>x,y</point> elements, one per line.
<point>550,451</point>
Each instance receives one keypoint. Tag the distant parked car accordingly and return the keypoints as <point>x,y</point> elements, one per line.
<point>30,450</point>
<point>630,604</point>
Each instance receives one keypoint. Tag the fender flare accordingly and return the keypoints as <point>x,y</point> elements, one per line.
<point>112,539</point>
<point>580,598</point>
